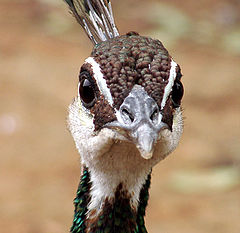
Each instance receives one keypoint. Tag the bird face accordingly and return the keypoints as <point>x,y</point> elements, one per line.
<point>129,91</point>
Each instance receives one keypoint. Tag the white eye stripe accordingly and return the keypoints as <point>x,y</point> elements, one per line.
<point>102,85</point>
<point>101,82</point>
<point>171,79</point>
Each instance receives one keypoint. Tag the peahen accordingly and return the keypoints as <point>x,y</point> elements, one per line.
<point>126,118</point>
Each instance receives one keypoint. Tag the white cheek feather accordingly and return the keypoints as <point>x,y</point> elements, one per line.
<point>101,82</point>
<point>171,79</point>
<point>170,139</point>
<point>85,116</point>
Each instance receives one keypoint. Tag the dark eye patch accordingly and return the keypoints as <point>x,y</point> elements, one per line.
<point>177,93</point>
<point>167,114</point>
<point>179,74</point>
<point>92,99</point>
<point>87,87</point>
<point>86,90</point>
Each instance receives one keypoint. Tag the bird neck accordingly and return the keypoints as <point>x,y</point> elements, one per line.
<point>116,213</point>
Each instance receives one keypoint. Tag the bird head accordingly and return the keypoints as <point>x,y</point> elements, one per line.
<point>129,99</point>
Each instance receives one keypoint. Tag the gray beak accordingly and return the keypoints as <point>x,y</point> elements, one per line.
<point>139,116</point>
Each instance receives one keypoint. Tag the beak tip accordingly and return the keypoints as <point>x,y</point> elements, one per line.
<point>146,153</point>
<point>145,144</point>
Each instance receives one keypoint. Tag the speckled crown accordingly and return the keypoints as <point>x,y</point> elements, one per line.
<point>133,59</point>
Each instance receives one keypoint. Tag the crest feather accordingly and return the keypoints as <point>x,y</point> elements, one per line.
<point>96,17</point>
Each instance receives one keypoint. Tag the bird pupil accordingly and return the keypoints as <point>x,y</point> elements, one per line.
<point>86,92</point>
<point>177,93</point>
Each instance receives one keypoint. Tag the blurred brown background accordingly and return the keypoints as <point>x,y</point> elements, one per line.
<point>195,190</point>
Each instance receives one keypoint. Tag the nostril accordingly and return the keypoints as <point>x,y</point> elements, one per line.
<point>127,114</point>
<point>154,115</point>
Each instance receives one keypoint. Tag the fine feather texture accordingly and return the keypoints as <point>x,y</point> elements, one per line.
<point>112,159</point>
<point>96,17</point>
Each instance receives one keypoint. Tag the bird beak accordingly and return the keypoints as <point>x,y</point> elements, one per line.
<point>139,116</point>
<point>145,138</point>
<point>145,142</point>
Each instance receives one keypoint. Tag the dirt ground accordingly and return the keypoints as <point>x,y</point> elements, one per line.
<point>195,190</point>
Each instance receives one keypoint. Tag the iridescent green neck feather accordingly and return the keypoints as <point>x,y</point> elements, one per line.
<point>81,201</point>
<point>116,215</point>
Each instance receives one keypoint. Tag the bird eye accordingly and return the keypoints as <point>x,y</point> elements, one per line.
<point>86,90</point>
<point>177,93</point>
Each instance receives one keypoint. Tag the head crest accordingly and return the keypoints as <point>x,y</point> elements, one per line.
<point>96,17</point>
